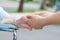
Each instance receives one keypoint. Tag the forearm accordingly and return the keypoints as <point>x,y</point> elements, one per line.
<point>8,20</point>
<point>53,19</point>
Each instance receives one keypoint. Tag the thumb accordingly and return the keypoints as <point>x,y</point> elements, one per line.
<point>29,16</point>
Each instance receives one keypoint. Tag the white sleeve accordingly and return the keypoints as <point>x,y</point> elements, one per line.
<point>3,13</point>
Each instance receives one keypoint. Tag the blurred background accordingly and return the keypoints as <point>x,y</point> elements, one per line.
<point>15,6</point>
<point>21,7</point>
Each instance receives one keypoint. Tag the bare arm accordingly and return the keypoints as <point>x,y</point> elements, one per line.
<point>53,19</point>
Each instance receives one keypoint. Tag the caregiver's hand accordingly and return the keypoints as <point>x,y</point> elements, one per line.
<point>36,21</point>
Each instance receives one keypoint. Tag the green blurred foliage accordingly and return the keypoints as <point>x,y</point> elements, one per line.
<point>13,0</point>
<point>28,0</point>
<point>52,1</point>
<point>24,11</point>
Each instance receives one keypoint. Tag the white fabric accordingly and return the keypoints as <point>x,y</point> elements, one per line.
<point>2,13</point>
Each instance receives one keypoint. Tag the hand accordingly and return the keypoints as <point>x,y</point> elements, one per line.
<point>43,13</point>
<point>36,21</point>
<point>22,22</point>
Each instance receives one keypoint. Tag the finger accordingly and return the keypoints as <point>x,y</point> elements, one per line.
<point>22,20</point>
<point>30,28</point>
<point>41,13</point>
<point>26,26</point>
<point>29,16</point>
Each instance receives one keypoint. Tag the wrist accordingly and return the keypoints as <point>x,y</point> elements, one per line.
<point>42,23</point>
<point>48,21</point>
<point>14,22</point>
<point>45,21</point>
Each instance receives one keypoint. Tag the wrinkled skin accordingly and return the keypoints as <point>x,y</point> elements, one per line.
<point>22,22</point>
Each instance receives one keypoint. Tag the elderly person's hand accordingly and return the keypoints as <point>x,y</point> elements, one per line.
<point>22,22</point>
